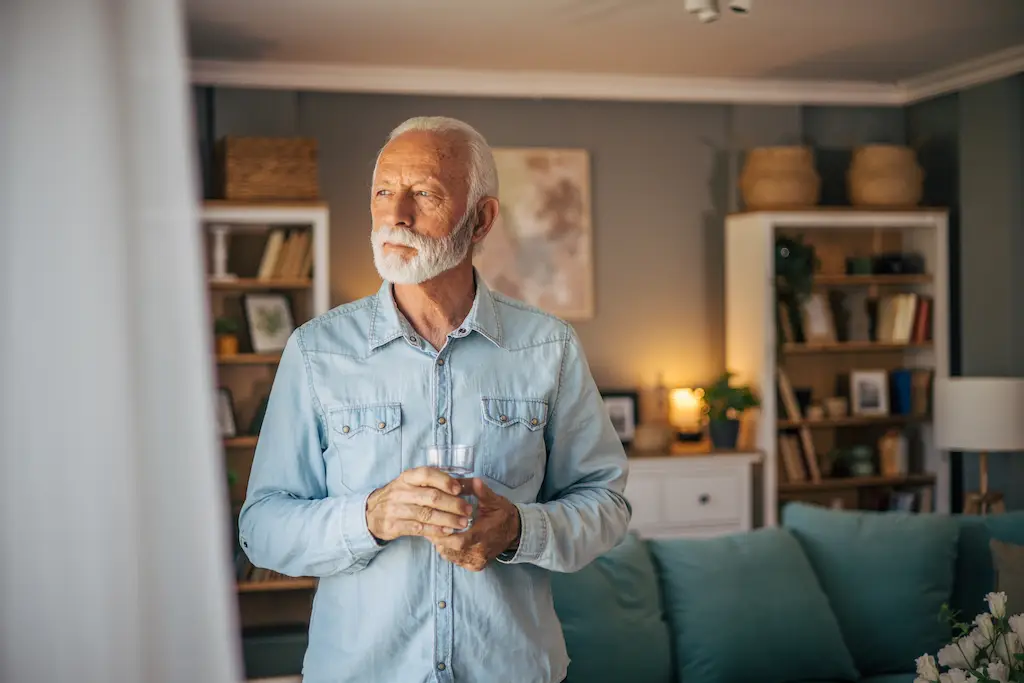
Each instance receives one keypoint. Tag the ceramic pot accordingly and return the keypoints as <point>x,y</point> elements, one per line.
<point>724,433</point>
<point>227,344</point>
<point>885,176</point>
<point>779,178</point>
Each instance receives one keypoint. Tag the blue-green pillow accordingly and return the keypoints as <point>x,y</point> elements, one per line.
<point>886,574</point>
<point>613,620</point>
<point>747,607</point>
<point>975,573</point>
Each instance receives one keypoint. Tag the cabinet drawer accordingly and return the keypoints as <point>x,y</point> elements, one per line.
<point>707,499</point>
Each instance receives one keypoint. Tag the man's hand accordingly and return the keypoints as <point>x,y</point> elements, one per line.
<point>421,502</point>
<point>495,530</point>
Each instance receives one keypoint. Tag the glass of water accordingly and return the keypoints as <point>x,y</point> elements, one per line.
<point>458,462</point>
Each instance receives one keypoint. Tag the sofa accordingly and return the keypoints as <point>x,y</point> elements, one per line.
<point>826,596</point>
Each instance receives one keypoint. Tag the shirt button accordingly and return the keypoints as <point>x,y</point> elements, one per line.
<point>381,425</point>
<point>442,604</point>
<point>440,666</point>
<point>503,418</point>
<point>440,361</point>
<point>346,429</point>
<point>413,339</point>
<point>534,422</point>
<point>441,420</point>
<point>462,330</point>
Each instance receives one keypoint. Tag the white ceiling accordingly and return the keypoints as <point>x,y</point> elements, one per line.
<point>846,40</point>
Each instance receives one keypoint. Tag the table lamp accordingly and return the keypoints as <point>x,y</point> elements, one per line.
<point>684,414</point>
<point>984,415</point>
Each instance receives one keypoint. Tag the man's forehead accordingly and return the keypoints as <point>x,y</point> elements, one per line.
<point>425,153</point>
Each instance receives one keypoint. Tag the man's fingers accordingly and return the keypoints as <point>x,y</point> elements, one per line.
<point>481,490</point>
<point>410,527</point>
<point>435,498</point>
<point>432,477</point>
<point>428,515</point>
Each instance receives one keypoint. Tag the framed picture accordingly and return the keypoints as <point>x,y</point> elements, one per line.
<point>869,392</point>
<point>226,414</point>
<point>624,410</point>
<point>270,321</point>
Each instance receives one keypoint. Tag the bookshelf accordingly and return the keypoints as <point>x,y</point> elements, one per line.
<point>280,250</point>
<point>845,376</point>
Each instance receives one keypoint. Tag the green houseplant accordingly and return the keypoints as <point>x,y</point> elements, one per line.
<point>226,333</point>
<point>723,404</point>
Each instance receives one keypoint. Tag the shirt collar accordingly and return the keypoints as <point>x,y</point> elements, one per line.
<point>387,323</point>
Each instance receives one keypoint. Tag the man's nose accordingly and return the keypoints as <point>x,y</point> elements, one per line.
<point>400,210</point>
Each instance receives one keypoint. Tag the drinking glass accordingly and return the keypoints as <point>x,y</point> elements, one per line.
<point>457,461</point>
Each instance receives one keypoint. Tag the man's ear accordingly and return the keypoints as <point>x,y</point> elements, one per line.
<point>487,210</point>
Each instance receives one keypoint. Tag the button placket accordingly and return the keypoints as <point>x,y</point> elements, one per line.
<point>444,574</point>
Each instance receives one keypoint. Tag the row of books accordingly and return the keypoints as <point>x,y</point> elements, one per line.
<point>287,254</point>
<point>904,318</point>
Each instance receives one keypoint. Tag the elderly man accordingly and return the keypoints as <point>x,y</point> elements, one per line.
<point>341,488</point>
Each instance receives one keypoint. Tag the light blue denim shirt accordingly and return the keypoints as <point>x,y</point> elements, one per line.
<point>357,397</point>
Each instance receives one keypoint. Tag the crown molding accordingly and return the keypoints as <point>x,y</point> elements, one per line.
<point>968,74</point>
<point>615,87</point>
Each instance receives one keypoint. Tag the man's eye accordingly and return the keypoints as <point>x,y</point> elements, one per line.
<point>382,193</point>
<point>423,193</point>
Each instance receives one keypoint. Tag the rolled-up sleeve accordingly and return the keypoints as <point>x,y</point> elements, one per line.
<point>582,512</point>
<point>288,522</point>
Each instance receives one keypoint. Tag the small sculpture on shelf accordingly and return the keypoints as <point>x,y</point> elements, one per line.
<point>226,332</point>
<point>724,403</point>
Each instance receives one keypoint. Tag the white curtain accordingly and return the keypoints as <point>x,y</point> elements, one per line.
<point>114,527</point>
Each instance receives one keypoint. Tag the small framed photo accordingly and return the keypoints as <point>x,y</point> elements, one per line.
<point>226,414</point>
<point>869,392</point>
<point>624,410</point>
<point>270,321</point>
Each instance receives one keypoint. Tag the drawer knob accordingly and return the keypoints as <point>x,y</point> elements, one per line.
<point>704,499</point>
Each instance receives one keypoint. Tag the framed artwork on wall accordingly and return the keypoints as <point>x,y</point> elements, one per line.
<point>623,408</point>
<point>270,321</point>
<point>540,250</point>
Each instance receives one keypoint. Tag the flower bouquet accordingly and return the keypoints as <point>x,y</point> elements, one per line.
<point>989,650</point>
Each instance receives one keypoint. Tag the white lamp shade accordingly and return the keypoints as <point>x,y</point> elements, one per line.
<point>979,413</point>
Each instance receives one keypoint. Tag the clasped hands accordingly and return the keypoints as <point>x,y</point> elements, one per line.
<point>425,502</point>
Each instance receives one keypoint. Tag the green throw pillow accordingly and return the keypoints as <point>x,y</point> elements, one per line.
<point>1009,562</point>
<point>975,573</point>
<point>747,607</point>
<point>612,618</point>
<point>886,574</point>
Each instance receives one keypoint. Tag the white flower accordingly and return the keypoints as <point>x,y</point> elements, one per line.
<point>998,671</point>
<point>960,653</point>
<point>1006,647</point>
<point>1017,625</point>
<point>954,676</point>
<point>986,627</point>
<point>926,668</point>
<point>997,604</point>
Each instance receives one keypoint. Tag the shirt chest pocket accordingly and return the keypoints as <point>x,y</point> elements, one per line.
<point>513,439</point>
<point>368,441</point>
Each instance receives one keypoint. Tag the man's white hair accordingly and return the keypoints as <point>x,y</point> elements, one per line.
<point>483,174</point>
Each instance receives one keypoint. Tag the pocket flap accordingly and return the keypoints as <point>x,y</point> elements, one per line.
<point>380,417</point>
<point>504,412</point>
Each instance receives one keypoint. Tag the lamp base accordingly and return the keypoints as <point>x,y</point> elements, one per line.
<point>990,502</point>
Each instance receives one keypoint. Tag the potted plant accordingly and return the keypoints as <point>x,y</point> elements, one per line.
<point>795,265</point>
<point>723,404</point>
<point>226,331</point>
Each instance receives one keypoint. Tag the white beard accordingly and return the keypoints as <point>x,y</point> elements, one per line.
<point>433,256</point>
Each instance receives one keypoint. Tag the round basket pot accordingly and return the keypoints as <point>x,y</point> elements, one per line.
<point>724,433</point>
<point>885,176</point>
<point>227,345</point>
<point>779,178</point>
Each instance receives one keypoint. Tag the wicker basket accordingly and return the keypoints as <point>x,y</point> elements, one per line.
<point>258,168</point>
<point>779,178</point>
<point>885,176</point>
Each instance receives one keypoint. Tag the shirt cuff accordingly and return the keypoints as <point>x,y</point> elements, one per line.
<point>354,532</point>
<point>533,535</point>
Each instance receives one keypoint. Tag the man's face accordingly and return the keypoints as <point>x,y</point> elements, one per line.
<point>421,226</point>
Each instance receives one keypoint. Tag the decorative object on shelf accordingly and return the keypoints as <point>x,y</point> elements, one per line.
<point>267,168</point>
<point>985,649</point>
<point>982,415</point>
<point>226,413</point>
<point>893,454</point>
<point>623,408</point>
<point>795,265</point>
<point>221,233</point>
<point>869,392</point>
<point>818,324</point>
<point>724,403</point>
<point>815,412</point>
<point>885,176</point>
<point>779,178</point>
<point>685,413</point>
<point>859,461</point>
<point>225,330</point>
<point>837,407</point>
<point>898,263</point>
<point>270,321</point>
<point>541,247</point>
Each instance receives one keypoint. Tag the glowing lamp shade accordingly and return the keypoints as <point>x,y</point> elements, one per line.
<point>684,410</point>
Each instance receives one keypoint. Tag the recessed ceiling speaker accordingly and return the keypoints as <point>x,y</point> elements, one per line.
<point>740,6</point>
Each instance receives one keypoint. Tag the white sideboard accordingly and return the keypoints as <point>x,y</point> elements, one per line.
<point>691,495</point>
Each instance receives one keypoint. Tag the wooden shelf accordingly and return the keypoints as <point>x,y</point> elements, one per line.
<point>264,204</point>
<point>855,421</point>
<point>867,280</point>
<point>276,585</point>
<point>852,347</point>
<point>251,284</point>
<point>844,483</point>
<point>241,442</point>
<point>250,359</point>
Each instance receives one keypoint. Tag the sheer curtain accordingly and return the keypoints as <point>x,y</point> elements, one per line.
<point>113,527</point>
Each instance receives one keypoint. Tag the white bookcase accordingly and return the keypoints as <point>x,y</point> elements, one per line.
<point>754,354</point>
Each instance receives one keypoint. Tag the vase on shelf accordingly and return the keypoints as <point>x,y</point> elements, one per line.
<point>779,178</point>
<point>885,176</point>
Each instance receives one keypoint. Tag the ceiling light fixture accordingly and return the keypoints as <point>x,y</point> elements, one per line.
<point>740,6</point>
<point>707,10</point>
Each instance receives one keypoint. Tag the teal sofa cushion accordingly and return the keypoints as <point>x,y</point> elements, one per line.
<point>613,620</point>
<point>975,573</point>
<point>891,678</point>
<point>747,607</point>
<point>886,574</point>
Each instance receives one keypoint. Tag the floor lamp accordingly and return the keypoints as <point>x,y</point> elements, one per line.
<point>983,415</point>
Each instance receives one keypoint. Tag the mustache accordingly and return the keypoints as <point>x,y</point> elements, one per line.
<point>396,234</point>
